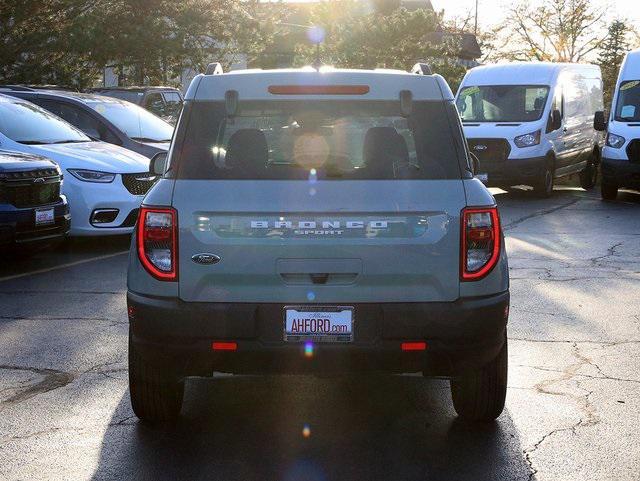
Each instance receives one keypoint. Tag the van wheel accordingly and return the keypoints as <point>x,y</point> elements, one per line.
<point>156,395</point>
<point>544,187</point>
<point>609,191</point>
<point>480,395</point>
<point>589,176</point>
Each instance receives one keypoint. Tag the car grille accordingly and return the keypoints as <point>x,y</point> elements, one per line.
<point>492,153</point>
<point>633,150</point>
<point>21,189</point>
<point>139,184</point>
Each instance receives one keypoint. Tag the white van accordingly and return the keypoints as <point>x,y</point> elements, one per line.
<point>530,123</point>
<point>621,153</point>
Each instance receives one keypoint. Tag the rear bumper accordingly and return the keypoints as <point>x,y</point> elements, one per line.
<point>526,171</point>
<point>17,225</point>
<point>622,173</point>
<point>461,335</point>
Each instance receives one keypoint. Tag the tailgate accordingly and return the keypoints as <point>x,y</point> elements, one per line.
<point>328,242</point>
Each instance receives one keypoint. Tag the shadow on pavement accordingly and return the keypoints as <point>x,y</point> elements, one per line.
<point>364,428</point>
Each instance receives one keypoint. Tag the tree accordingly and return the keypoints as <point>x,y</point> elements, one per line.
<point>611,55</point>
<point>551,30</point>
<point>389,40</point>
<point>42,43</point>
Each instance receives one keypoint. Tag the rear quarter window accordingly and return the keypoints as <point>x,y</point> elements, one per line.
<point>329,140</point>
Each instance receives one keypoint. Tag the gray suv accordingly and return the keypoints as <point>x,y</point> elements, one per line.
<point>318,222</point>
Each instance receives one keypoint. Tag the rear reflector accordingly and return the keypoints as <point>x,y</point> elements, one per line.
<point>414,346</point>
<point>318,89</point>
<point>224,346</point>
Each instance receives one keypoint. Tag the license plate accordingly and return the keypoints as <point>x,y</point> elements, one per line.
<point>318,323</point>
<point>44,216</point>
<point>484,178</point>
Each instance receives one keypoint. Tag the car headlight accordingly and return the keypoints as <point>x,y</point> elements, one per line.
<point>615,141</point>
<point>528,140</point>
<point>92,175</point>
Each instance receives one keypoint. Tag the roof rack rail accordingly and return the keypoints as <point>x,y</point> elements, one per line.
<point>422,68</point>
<point>214,68</point>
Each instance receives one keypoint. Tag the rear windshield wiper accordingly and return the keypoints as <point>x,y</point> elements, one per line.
<point>32,142</point>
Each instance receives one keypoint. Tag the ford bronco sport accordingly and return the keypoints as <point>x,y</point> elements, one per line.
<point>318,221</point>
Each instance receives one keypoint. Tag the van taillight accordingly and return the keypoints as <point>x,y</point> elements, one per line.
<point>158,243</point>
<point>480,233</point>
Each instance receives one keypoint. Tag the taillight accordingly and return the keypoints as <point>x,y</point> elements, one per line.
<point>480,242</point>
<point>158,243</point>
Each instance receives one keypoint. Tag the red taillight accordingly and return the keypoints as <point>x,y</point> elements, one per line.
<point>480,234</point>
<point>157,242</point>
<point>318,89</point>
<point>413,346</point>
<point>224,346</point>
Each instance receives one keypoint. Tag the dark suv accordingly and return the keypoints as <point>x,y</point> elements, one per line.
<point>165,102</point>
<point>31,207</point>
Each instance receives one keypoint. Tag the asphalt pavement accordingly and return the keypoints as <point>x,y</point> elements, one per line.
<point>572,407</point>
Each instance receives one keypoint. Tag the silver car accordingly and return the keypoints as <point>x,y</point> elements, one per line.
<point>318,221</point>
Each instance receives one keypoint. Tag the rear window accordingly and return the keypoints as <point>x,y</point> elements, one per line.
<point>327,140</point>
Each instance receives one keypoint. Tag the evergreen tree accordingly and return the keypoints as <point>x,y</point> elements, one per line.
<point>612,53</point>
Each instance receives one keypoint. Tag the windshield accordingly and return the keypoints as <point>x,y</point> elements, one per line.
<point>502,103</point>
<point>136,122</point>
<point>128,95</point>
<point>628,103</point>
<point>324,140</point>
<point>27,123</point>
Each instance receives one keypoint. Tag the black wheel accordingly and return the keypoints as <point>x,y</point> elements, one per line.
<point>544,187</point>
<point>609,191</point>
<point>589,176</point>
<point>156,395</point>
<point>480,395</point>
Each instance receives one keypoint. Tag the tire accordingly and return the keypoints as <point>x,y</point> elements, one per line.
<point>156,395</point>
<point>608,191</point>
<point>480,395</point>
<point>589,176</point>
<point>544,187</point>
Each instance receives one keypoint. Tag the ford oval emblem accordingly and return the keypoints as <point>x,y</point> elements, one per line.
<point>480,147</point>
<point>205,259</point>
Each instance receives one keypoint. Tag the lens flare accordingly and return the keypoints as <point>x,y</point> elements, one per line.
<point>306,431</point>
<point>308,349</point>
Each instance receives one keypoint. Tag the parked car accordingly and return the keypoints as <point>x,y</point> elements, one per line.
<point>165,102</point>
<point>621,154</point>
<point>531,123</point>
<point>329,222</point>
<point>103,183</point>
<point>103,118</point>
<point>32,210</point>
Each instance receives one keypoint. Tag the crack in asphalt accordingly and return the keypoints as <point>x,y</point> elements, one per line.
<point>602,377</point>
<point>539,213</point>
<point>589,415</point>
<point>53,379</point>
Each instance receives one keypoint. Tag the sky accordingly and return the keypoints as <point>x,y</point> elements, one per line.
<point>490,12</point>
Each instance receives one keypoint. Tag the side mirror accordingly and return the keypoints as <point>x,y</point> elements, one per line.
<point>600,121</point>
<point>556,120</point>
<point>158,163</point>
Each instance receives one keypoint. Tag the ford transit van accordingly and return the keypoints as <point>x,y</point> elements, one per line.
<point>621,154</point>
<point>530,123</point>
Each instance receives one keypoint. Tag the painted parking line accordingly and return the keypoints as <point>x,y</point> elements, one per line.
<point>62,266</point>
